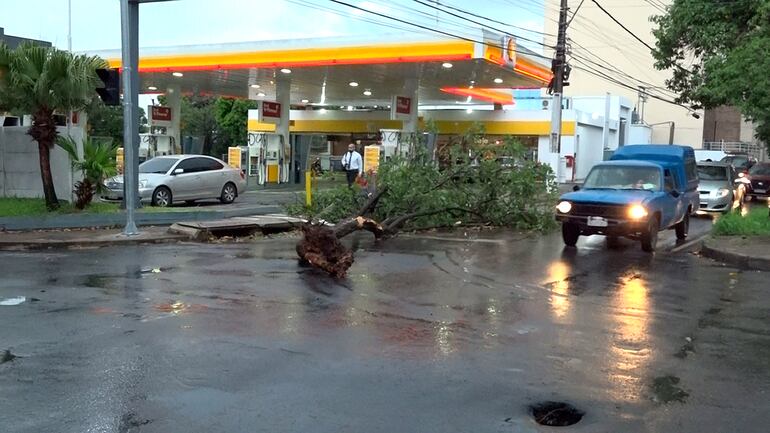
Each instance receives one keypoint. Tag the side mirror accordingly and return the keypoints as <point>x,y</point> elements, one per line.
<point>674,193</point>
<point>178,171</point>
<point>576,188</point>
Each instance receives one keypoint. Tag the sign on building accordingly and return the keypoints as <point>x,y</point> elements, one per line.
<point>269,112</point>
<point>159,116</point>
<point>401,108</point>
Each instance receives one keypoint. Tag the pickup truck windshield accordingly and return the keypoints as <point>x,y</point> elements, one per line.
<point>619,177</point>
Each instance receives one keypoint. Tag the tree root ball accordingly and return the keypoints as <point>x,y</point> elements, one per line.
<point>320,248</point>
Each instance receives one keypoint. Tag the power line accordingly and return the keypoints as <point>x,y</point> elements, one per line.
<point>621,25</point>
<point>481,24</point>
<point>352,6</point>
<point>492,20</point>
<point>592,71</point>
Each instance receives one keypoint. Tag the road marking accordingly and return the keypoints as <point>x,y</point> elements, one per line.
<point>439,238</point>
<point>688,244</point>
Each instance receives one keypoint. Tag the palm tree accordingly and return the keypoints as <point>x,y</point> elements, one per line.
<point>42,81</point>
<point>98,164</point>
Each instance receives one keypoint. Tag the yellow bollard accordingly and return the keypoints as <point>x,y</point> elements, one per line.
<point>308,188</point>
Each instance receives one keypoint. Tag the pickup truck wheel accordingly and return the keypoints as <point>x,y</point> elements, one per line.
<point>650,235</point>
<point>683,227</point>
<point>570,233</point>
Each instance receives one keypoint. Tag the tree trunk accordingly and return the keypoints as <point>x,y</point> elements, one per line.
<point>43,130</point>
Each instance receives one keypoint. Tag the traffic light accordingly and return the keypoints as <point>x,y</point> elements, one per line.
<point>109,91</point>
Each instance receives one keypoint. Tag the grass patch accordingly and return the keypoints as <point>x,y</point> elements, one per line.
<point>18,207</point>
<point>755,223</point>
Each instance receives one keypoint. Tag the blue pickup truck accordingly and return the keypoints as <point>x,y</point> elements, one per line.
<point>641,190</point>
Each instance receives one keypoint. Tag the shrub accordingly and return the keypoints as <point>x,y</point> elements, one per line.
<point>755,223</point>
<point>473,182</point>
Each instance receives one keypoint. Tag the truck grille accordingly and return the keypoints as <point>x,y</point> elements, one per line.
<point>761,184</point>
<point>602,210</point>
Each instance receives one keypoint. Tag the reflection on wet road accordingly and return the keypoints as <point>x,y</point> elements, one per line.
<point>437,333</point>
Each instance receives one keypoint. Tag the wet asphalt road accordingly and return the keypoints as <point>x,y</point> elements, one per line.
<point>432,333</point>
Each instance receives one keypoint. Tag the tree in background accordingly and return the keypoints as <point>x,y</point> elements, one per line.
<point>107,122</point>
<point>727,45</point>
<point>43,81</point>
<point>98,163</point>
<point>232,117</point>
<point>197,119</point>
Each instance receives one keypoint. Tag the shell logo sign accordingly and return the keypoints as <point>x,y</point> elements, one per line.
<point>509,50</point>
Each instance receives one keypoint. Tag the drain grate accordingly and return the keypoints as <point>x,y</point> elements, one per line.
<point>556,413</point>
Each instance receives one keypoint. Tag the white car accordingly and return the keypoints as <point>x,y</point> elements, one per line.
<point>173,178</point>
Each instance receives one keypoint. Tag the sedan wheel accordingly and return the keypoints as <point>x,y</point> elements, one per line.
<point>228,193</point>
<point>161,197</point>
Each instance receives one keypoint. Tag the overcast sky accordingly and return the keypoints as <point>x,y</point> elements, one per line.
<point>96,23</point>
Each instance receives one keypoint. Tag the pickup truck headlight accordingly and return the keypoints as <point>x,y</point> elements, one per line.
<point>637,212</point>
<point>564,207</point>
<point>723,192</point>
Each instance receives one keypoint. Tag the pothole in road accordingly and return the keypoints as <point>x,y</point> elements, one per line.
<point>556,413</point>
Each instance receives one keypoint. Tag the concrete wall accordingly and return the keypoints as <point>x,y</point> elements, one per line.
<point>640,134</point>
<point>20,165</point>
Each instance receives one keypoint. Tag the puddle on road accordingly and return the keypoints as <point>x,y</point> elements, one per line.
<point>665,389</point>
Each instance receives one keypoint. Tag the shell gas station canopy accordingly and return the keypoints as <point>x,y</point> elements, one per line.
<point>346,71</point>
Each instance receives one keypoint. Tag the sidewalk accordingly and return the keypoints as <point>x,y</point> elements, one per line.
<point>743,252</point>
<point>143,218</point>
<point>84,238</point>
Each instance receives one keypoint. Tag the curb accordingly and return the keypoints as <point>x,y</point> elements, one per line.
<point>76,221</point>
<point>736,259</point>
<point>48,244</point>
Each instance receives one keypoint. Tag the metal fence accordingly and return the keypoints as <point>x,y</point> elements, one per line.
<point>757,150</point>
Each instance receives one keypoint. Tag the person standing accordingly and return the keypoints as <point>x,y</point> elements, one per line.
<point>352,163</point>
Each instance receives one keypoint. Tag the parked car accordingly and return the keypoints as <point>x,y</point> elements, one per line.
<point>643,189</point>
<point>741,161</point>
<point>719,187</point>
<point>759,181</point>
<point>167,179</point>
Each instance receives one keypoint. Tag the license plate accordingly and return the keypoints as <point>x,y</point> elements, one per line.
<point>760,191</point>
<point>597,222</point>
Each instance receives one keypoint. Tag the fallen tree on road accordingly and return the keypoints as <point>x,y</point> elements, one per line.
<point>478,184</point>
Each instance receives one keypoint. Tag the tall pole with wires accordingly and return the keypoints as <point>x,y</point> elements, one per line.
<point>557,86</point>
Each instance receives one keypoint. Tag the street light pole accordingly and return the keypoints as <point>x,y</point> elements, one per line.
<point>129,26</point>
<point>69,25</point>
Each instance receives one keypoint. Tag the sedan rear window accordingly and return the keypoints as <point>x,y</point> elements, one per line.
<point>712,172</point>
<point>157,165</point>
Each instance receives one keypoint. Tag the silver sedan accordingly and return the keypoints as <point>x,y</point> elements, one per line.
<point>719,188</point>
<point>173,178</point>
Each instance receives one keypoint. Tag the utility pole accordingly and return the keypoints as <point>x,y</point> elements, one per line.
<point>642,98</point>
<point>557,87</point>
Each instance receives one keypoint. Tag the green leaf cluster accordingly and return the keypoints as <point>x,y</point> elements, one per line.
<point>719,54</point>
<point>478,183</point>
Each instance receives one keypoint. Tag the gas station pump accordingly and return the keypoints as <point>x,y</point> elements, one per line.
<point>269,158</point>
<point>152,145</point>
